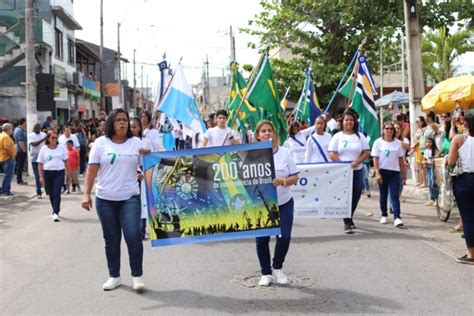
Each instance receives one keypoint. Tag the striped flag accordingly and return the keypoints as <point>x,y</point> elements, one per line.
<point>363,100</point>
<point>307,109</point>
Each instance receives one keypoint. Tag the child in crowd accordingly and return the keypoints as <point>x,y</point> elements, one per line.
<point>73,175</point>
<point>428,155</point>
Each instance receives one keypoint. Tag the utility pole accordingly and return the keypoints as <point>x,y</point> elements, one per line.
<point>147,90</point>
<point>232,45</point>
<point>143,106</point>
<point>31,110</point>
<point>134,80</point>
<point>381,70</point>
<point>416,85</point>
<point>208,90</point>
<point>118,66</point>
<point>101,54</point>
<point>402,40</point>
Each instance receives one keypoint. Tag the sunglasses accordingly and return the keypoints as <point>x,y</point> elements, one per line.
<point>54,138</point>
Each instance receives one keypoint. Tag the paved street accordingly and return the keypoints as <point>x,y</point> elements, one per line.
<point>59,268</point>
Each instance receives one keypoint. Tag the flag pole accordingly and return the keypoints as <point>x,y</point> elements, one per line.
<point>354,73</point>
<point>164,93</point>
<point>341,81</point>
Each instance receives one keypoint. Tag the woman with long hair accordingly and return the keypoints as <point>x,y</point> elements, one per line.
<point>286,174</point>
<point>418,147</point>
<point>114,159</point>
<point>350,145</point>
<point>389,165</point>
<point>462,154</point>
<point>52,163</point>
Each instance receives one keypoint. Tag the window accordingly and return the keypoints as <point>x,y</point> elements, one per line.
<point>70,51</point>
<point>59,43</point>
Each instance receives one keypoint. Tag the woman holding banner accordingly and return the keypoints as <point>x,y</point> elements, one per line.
<point>115,159</point>
<point>350,145</point>
<point>318,142</point>
<point>297,140</point>
<point>389,165</point>
<point>286,174</point>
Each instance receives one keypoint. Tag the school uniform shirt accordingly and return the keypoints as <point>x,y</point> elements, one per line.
<point>215,136</point>
<point>34,150</point>
<point>388,153</point>
<point>297,144</point>
<point>62,140</point>
<point>155,139</point>
<point>52,159</point>
<point>118,165</point>
<point>427,156</point>
<point>285,166</point>
<point>313,154</point>
<point>348,147</point>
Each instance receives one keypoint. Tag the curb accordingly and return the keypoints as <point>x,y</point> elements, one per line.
<point>7,200</point>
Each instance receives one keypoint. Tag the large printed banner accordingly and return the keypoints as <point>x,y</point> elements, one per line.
<point>324,190</point>
<point>211,194</point>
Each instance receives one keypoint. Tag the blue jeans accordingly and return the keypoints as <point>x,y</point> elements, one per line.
<point>53,182</point>
<point>431,182</point>
<point>357,187</point>
<point>282,243</point>
<point>390,183</point>
<point>37,177</point>
<point>366,177</point>
<point>115,217</point>
<point>9,169</point>
<point>463,188</point>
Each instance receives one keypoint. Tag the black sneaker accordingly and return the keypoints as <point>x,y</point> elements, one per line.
<point>465,260</point>
<point>353,226</point>
<point>348,229</point>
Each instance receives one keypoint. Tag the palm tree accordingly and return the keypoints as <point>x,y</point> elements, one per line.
<point>440,49</point>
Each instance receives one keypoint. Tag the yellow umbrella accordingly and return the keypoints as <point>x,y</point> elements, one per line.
<point>446,95</point>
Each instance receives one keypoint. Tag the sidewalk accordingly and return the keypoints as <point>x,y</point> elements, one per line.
<point>21,193</point>
<point>409,190</point>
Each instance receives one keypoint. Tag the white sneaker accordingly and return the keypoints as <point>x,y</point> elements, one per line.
<point>138,284</point>
<point>280,276</point>
<point>111,283</point>
<point>383,220</point>
<point>398,222</point>
<point>55,217</point>
<point>265,280</point>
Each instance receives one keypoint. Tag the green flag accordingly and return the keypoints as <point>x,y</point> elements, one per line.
<point>237,83</point>
<point>363,100</point>
<point>263,94</point>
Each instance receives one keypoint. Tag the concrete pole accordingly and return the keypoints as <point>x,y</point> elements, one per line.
<point>143,105</point>
<point>101,54</point>
<point>134,81</point>
<point>416,86</point>
<point>232,45</point>
<point>31,110</point>
<point>402,60</point>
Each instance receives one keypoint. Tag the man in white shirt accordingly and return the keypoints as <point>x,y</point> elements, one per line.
<point>36,142</point>
<point>68,136</point>
<point>220,135</point>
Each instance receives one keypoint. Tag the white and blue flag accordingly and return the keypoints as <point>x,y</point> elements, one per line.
<point>179,103</point>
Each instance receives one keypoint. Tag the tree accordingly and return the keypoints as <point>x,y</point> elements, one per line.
<point>328,33</point>
<point>440,49</point>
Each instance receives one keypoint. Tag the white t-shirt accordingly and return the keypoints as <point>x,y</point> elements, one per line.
<point>388,153</point>
<point>62,140</point>
<point>297,145</point>
<point>118,165</point>
<point>34,150</point>
<point>331,124</point>
<point>52,159</point>
<point>215,136</point>
<point>313,154</point>
<point>348,147</point>
<point>285,166</point>
<point>155,138</point>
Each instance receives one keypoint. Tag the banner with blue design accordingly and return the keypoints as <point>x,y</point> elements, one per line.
<point>211,194</point>
<point>323,190</point>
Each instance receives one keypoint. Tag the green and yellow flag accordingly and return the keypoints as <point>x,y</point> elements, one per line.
<point>263,95</point>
